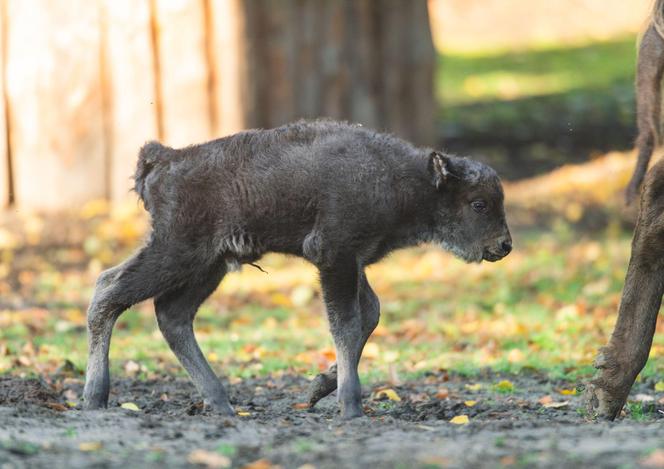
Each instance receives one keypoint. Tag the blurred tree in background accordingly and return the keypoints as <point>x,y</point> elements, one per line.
<point>88,82</point>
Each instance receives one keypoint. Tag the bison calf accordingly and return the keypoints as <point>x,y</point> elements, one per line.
<point>338,195</point>
<point>627,352</point>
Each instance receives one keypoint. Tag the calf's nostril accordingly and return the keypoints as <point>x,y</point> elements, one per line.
<point>507,247</point>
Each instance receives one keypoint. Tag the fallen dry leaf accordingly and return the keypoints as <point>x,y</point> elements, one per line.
<point>568,392</point>
<point>301,405</point>
<point>390,394</point>
<point>56,406</point>
<point>130,406</point>
<point>470,403</point>
<point>504,386</point>
<point>474,387</point>
<point>556,405</point>
<point>643,398</point>
<point>242,413</point>
<point>460,420</point>
<point>89,446</point>
<point>545,400</point>
<point>260,464</point>
<point>208,459</point>
<point>443,393</point>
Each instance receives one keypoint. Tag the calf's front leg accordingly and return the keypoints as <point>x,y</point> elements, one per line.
<point>326,382</point>
<point>340,284</point>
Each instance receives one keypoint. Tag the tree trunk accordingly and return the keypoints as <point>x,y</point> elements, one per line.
<point>361,60</point>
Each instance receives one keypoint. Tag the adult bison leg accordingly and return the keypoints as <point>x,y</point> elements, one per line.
<point>649,71</point>
<point>627,352</point>
<point>325,383</point>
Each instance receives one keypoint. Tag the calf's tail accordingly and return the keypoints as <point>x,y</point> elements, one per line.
<point>151,155</point>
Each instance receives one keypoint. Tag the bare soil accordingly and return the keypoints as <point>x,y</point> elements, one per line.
<point>37,429</point>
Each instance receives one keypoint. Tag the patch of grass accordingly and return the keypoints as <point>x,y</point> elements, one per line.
<point>531,110</point>
<point>303,445</point>
<point>226,449</point>
<point>640,411</point>
<point>549,306</point>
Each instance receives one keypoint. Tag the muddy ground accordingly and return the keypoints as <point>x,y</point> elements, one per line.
<point>508,428</point>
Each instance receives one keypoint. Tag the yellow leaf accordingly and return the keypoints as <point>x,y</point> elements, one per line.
<point>460,420</point>
<point>568,392</point>
<point>243,413</point>
<point>470,403</point>
<point>279,299</point>
<point>213,357</point>
<point>130,406</point>
<point>387,393</point>
<point>473,387</point>
<point>90,446</point>
<point>659,386</point>
<point>504,386</point>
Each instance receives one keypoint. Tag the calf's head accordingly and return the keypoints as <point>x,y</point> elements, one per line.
<point>469,214</point>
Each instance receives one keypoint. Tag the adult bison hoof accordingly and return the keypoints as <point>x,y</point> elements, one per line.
<point>600,403</point>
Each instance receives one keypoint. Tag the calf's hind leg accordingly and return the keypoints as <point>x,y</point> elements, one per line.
<point>138,278</point>
<point>627,352</point>
<point>175,315</point>
<point>326,383</point>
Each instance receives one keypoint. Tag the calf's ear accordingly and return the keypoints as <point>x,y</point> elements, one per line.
<point>439,168</point>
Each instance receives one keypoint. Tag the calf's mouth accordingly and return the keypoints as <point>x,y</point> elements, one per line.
<point>492,256</point>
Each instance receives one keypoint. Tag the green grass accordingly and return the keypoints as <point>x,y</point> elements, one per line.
<point>472,77</point>
<point>547,307</point>
<point>538,107</point>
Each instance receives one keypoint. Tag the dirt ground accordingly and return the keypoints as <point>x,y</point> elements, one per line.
<point>505,428</point>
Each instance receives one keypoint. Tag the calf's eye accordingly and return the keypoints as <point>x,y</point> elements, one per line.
<point>479,206</point>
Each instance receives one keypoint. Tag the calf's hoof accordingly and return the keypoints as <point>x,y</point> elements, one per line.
<point>601,403</point>
<point>222,408</point>
<point>322,385</point>
<point>94,402</point>
<point>351,411</point>
<point>95,398</point>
